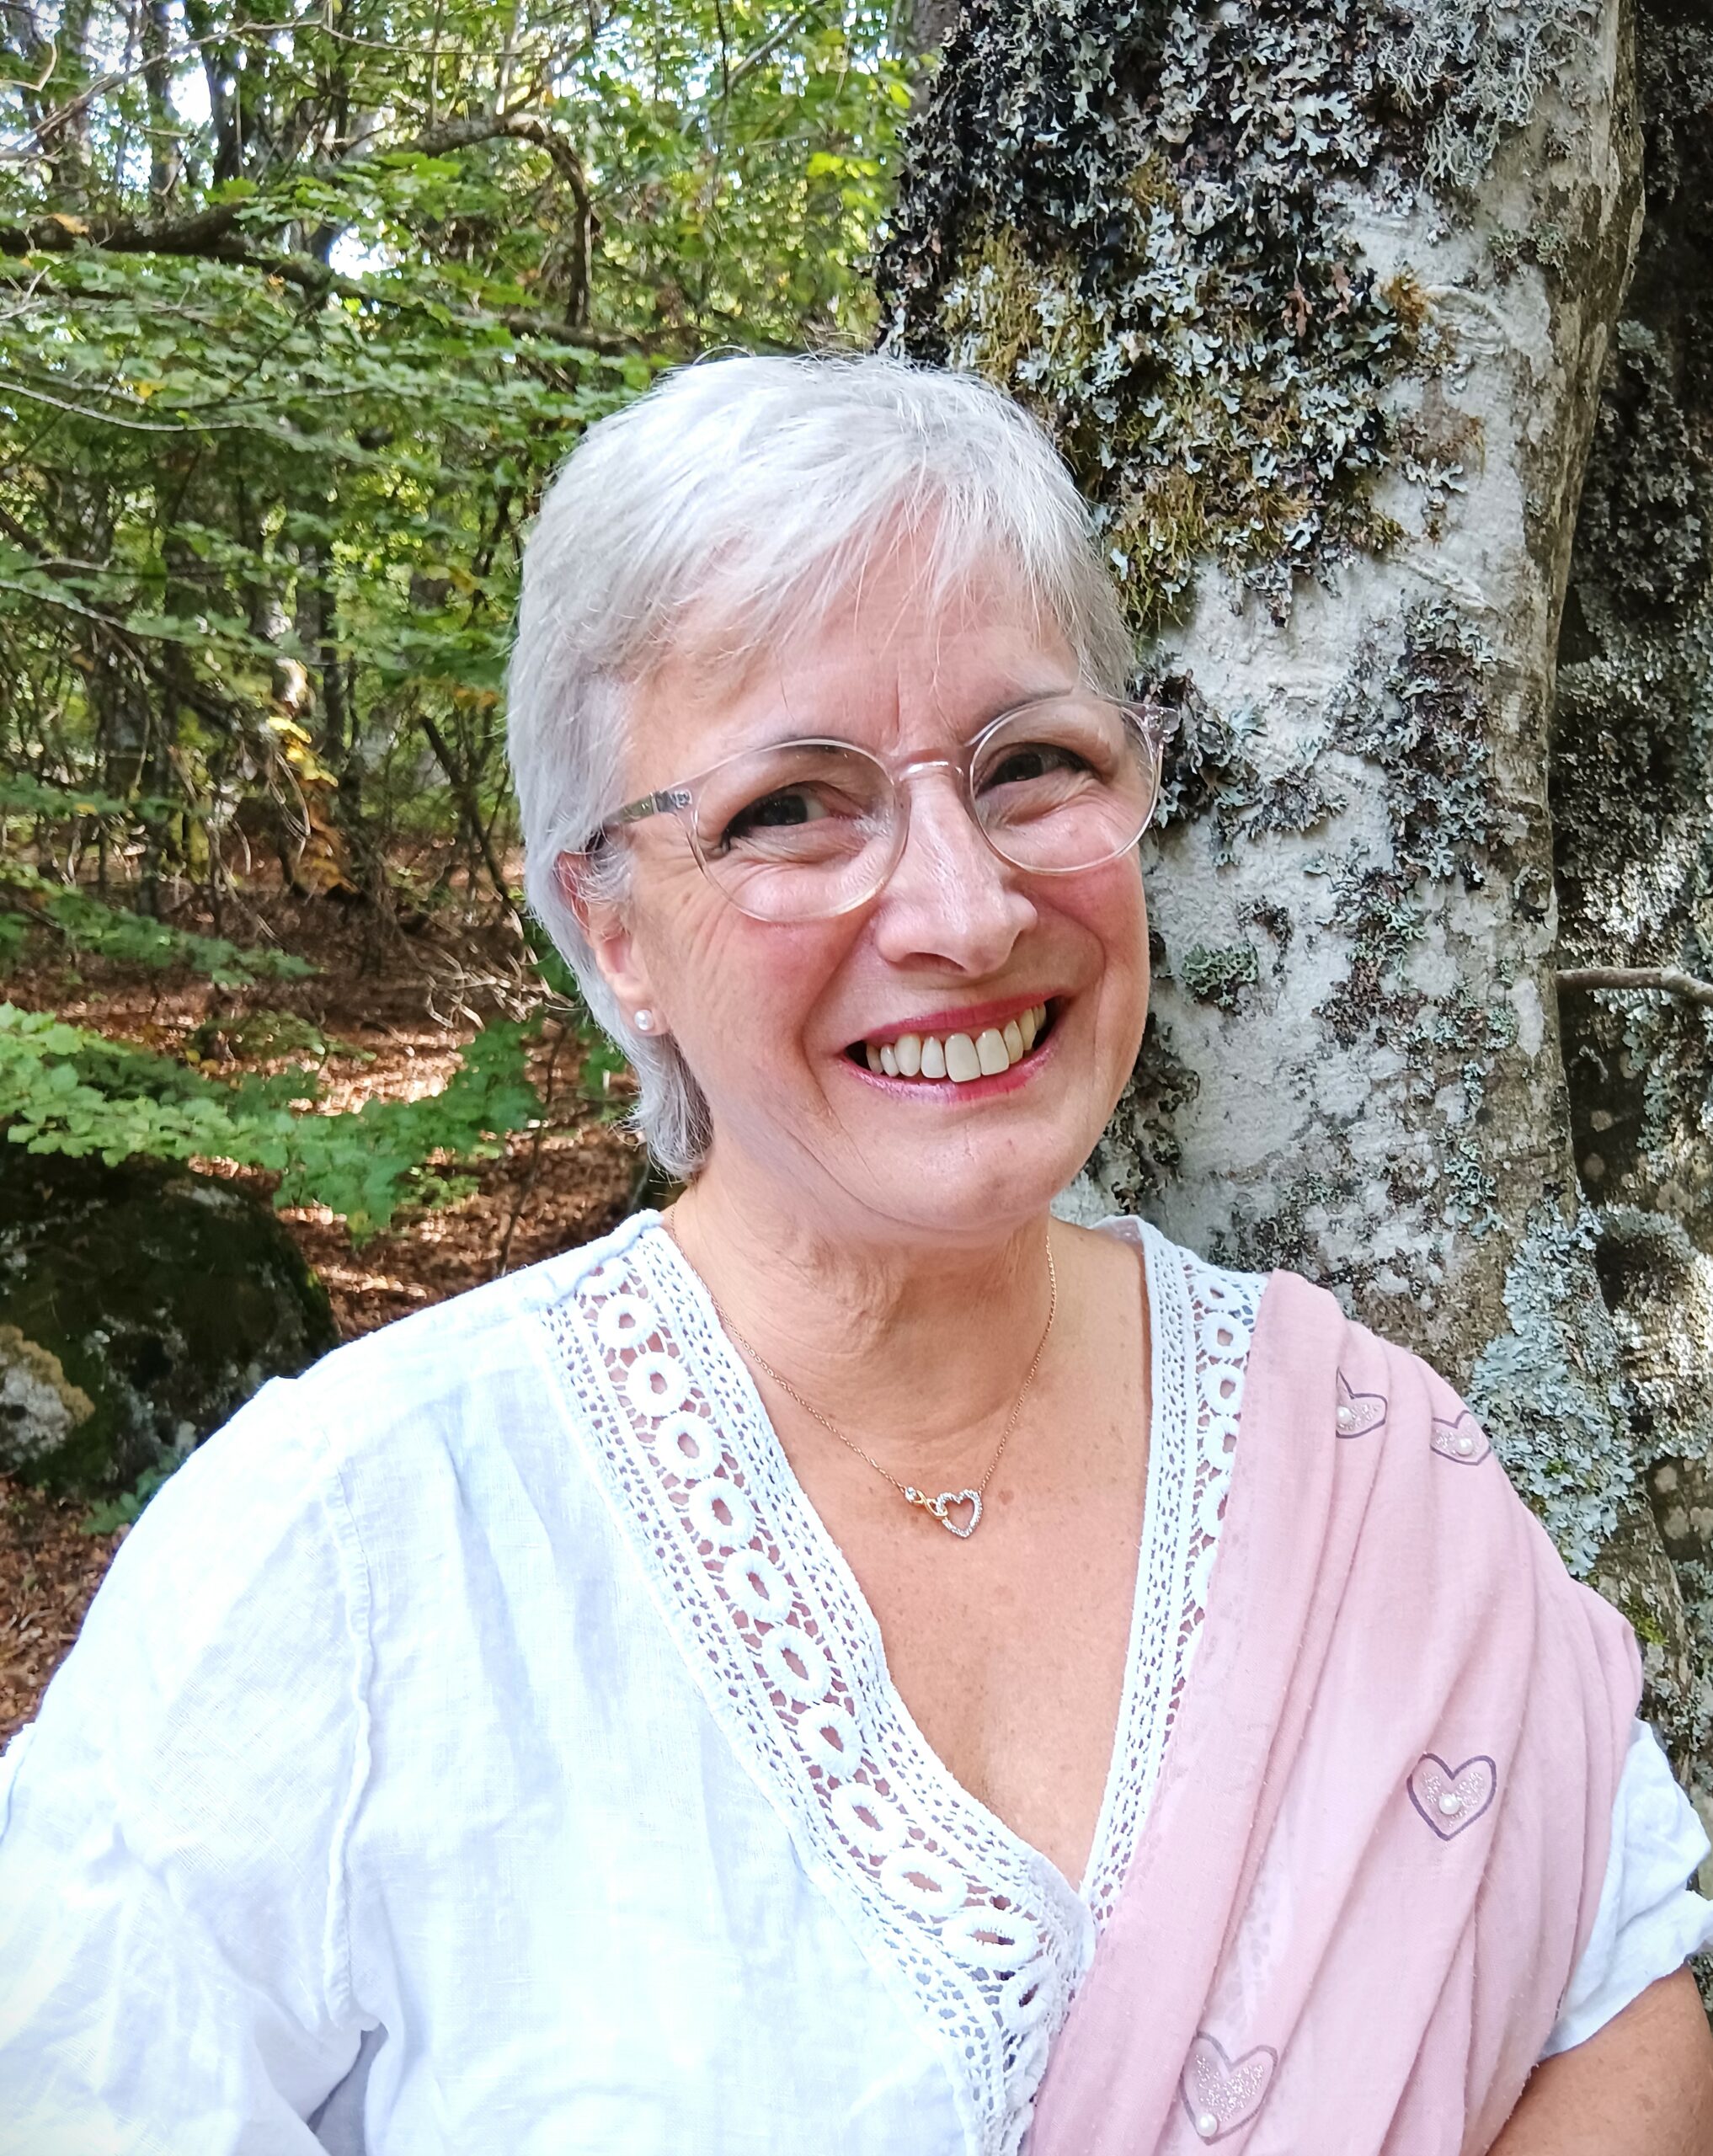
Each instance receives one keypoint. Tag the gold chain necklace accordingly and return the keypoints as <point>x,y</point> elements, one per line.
<point>938,1506</point>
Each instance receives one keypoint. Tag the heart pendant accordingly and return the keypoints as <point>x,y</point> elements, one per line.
<point>970,1497</point>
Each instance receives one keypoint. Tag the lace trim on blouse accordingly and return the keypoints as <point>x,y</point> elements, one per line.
<point>1203,1320</point>
<point>980,1937</point>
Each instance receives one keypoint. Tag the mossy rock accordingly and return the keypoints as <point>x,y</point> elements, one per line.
<point>140,1306</point>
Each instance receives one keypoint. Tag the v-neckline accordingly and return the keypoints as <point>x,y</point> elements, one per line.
<point>808,1520</point>
<point>977,1935</point>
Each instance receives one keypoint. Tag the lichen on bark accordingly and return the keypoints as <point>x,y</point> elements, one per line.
<point>1632,774</point>
<point>1580,1478</point>
<point>1135,217</point>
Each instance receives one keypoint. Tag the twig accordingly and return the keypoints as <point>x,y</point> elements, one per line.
<point>760,54</point>
<point>1667,979</point>
<point>464,794</point>
<point>526,1189</point>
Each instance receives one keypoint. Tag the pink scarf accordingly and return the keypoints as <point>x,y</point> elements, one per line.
<point>1380,1831</point>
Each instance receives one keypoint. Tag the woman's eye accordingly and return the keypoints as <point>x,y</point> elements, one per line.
<point>783,810</point>
<point>1031,761</point>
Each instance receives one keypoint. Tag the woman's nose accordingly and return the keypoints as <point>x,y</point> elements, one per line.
<point>951,897</point>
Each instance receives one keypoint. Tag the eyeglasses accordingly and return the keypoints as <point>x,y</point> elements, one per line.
<point>803,830</point>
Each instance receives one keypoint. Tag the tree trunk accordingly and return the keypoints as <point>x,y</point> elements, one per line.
<point>1316,296</point>
<point>1632,786</point>
<point>155,36</point>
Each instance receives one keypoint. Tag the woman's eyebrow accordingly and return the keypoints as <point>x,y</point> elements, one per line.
<point>1043,694</point>
<point>989,708</point>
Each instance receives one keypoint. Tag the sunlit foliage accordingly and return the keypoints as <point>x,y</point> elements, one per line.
<point>299,306</point>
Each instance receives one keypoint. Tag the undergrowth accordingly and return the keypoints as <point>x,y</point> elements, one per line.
<point>30,901</point>
<point>66,1090</point>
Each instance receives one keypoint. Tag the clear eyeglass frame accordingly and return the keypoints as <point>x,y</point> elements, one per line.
<point>1147,726</point>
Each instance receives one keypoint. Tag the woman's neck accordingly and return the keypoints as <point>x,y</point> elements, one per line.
<point>900,1339</point>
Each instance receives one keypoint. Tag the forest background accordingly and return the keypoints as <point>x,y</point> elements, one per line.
<point>298,310</point>
<point>300,307</point>
<point>1381,338</point>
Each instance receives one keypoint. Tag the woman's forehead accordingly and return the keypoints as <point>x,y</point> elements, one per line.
<point>893,658</point>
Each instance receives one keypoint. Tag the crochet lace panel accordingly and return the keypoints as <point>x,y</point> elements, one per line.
<point>979,1936</point>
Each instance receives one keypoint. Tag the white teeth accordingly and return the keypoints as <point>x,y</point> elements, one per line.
<point>961,1062</point>
<point>992,1054</point>
<point>958,1056</point>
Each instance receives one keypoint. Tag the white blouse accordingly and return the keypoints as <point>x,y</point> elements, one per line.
<point>480,1744</point>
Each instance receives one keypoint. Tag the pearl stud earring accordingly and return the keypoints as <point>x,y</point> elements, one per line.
<point>645,1021</point>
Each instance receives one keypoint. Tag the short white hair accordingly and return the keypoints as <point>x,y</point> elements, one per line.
<point>755,491</point>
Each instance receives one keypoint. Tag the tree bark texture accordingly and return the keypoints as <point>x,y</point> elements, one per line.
<point>1318,297</point>
<point>1631,773</point>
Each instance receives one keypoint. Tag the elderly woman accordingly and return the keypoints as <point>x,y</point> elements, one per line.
<point>853,1664</point>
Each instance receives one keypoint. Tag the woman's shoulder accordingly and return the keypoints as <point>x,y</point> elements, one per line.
<point>435,1357</point>
<point>370,1446</point>
<point>1294,1339</point>
<point>1214,1284</point>
<point>329,1488</point>
<point>469,1374</point>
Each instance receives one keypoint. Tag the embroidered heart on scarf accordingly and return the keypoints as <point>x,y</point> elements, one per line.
<point>1220,2093</point>
<point>1464,1440</point>
<point>1451,1798</point>
<point>1359,1412</point>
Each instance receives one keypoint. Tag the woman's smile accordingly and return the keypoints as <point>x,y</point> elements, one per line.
<point>970,1055</point>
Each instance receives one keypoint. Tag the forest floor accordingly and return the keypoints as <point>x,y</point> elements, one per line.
<point>393,1010</point>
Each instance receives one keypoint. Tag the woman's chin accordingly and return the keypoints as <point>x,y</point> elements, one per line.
<point>959,1173</point>
<point>953,1195</point>
<point>885,1159</point>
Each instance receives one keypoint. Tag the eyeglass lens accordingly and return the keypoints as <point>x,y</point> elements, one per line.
<point>808,829</point>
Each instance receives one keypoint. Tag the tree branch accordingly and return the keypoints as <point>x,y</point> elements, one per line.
<point>307,276</point>
<point>214,233</point>
<point>202,697</point>
<point>1667,979</point>
<point>464,794</point>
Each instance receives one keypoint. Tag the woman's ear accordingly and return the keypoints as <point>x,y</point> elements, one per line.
<point>606,927</point>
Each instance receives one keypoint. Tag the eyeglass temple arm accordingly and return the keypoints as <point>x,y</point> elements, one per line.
<point>669,798</point>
